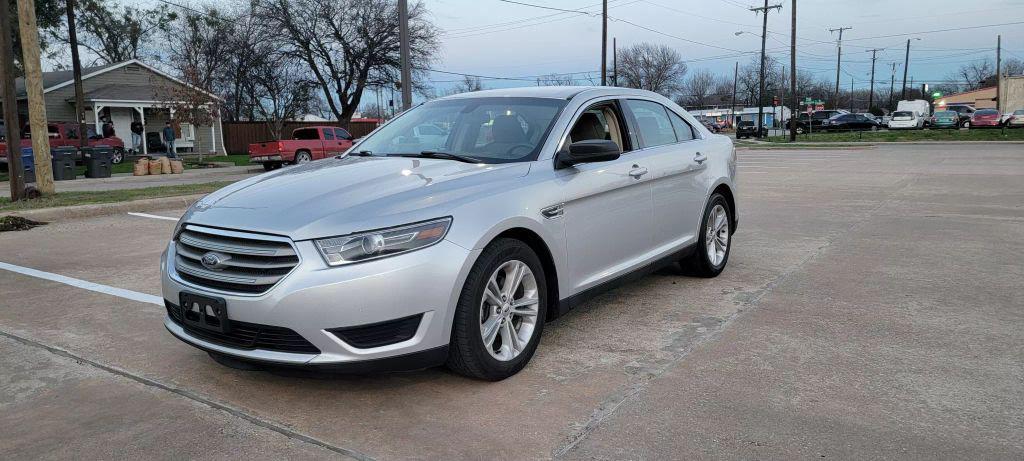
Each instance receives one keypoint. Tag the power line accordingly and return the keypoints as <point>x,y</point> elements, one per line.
<point>941,30</point>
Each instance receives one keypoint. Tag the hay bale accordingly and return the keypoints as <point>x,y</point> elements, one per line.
<point>155,167</point>
<point>165,165</point>
<point>177,167</point>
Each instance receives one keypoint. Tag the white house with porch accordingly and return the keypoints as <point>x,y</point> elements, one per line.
<point>125,92</point>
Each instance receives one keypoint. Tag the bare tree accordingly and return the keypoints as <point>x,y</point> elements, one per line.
<point>349,44</point>
<point>116,33</point>
<point>697,89</point>
<point>651,67</point>
<point>279,90</point>
<point>200,46</point>
<point>556,80</point>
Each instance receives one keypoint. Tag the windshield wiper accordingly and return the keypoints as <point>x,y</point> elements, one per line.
<point>445,155</point>
<point>362,153</point>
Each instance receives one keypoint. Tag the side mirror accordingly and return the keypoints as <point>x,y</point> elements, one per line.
<point>588,151</point>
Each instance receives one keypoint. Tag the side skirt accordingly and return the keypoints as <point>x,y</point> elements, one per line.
<point>567,304</point>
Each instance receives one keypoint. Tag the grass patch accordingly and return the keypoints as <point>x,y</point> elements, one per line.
<point>908,135</point>
<point>237,159</point>
<point>113,196</point>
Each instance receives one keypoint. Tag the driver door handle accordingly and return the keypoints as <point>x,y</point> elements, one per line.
<point>637,171</point>
<point>700,158</point>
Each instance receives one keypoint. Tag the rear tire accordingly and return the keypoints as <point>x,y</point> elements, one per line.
<point>703,262</point>
<point>303,157</point>
<point>468,354</point>
<point>267,166</point>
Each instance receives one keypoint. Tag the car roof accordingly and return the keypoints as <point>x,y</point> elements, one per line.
<point>554,92</point>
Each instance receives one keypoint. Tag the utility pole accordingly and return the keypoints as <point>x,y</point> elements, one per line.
<point>615,62</point>
<point>851,95</point>
<point>871,92</point>
<point>76,68</point>
<point>839,58</point>
<point>906,65</point>
<point>403,38</point>
<point>10,101</point>
<point>764,36</point>
<point>792,78</point>
<point>892,85</point>
<point>732,108</point>
<point>604,43</point>
<point>34,91</point>
<point>999,69</point>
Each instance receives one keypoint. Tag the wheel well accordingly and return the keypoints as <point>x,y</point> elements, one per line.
<point>727,193</point>
<point>550,276</point>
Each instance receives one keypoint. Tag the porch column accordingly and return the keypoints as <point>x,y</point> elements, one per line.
<point>96,108</point>
<point>213,132</point>
<point>142,118</point>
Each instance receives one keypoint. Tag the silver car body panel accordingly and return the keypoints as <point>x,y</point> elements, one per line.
<point>605,224</point>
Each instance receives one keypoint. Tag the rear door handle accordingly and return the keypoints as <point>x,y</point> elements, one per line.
<point>700,158</point>
<point>637,171</point>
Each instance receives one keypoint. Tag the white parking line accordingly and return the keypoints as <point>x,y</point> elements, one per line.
<point>153,216</point>
<point>113,291</point>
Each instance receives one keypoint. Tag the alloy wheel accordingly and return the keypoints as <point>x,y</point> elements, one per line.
<point>508,310</point>
<point>716,238</point>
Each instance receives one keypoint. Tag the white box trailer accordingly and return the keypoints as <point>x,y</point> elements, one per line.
<point>920,112</point>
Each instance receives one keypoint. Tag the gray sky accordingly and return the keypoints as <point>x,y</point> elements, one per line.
<point>494,38</point>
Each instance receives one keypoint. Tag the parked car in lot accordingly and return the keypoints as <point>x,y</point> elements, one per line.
<point>813,121</point>
<point>946,119</point>
<point>850,122</point>
<point>393,257</point>
<point>62,134</point>
<point>964,111</point>
<point>906,120</point>
<point>1016,119</point>
<point>985,118</point>
<point>305,145</point>
<point>748,129</point>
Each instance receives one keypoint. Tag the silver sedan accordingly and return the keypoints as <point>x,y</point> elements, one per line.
<point>412,251</point>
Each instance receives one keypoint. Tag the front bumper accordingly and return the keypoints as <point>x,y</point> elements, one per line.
<point>314,298</point>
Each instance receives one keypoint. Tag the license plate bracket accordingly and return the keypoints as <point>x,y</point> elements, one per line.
<point>204,312</point>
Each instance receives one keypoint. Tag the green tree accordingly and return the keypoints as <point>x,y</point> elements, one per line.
<point>49,16</point>
<point>116,33</point>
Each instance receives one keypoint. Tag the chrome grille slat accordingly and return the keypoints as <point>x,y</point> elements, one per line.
<point>207,242</point>
<point>249,263</point>
<point>239,261</point>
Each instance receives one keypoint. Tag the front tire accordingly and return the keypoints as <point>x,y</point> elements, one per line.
<point>712,252</point>
<point>500,315</point>
<point>118,156</point>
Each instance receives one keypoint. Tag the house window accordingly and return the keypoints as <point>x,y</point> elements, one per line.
<point>188,132</point>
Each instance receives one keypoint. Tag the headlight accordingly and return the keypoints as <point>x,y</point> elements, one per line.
<point>382,243</point>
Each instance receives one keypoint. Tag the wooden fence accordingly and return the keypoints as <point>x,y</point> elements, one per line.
<point>238,135</point>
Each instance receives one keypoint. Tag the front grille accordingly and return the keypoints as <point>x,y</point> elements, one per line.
<point>379,334</point>
<point>246,263</point>
<point>249,336</point>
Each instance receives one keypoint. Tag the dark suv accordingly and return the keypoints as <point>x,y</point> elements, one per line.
<point>814,121</point>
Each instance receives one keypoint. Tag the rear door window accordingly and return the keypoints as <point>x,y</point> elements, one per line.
<point>341,133</point>
<point>652,122</point>
<point>684,132</point>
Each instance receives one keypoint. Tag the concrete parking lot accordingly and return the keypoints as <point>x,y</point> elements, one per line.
<point>872,308</point>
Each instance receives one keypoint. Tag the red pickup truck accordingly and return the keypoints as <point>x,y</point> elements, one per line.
<point>305,145</point>
<point>65,134</point>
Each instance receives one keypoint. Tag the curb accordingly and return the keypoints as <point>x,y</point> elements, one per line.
<point>105,209</point>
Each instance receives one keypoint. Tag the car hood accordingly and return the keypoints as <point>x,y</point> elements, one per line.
<point>340,196</point>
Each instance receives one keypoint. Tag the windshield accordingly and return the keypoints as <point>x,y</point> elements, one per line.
<point>1018,112</point>
<point>986,112</point>
<point>493,130</point>
<point>746,123</point>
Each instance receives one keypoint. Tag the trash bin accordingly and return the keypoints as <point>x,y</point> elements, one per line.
<point>64,163</point>
<point>97,161</point>
<point>28,163</point>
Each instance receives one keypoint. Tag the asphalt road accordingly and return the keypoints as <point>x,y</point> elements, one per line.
<point>872,308</point>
